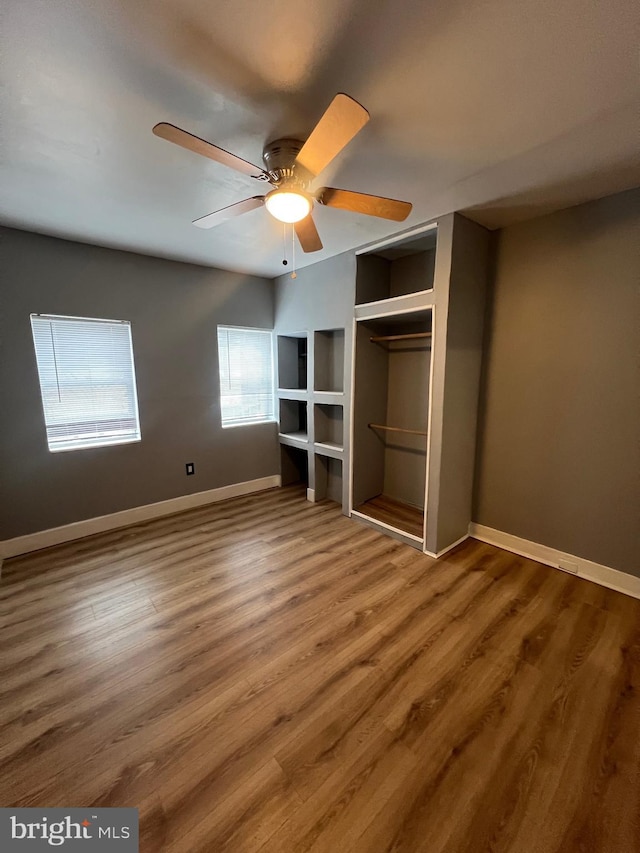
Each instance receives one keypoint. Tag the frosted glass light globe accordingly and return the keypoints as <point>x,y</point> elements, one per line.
<point>287,205</point>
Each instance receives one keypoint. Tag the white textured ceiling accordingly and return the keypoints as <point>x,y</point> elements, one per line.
<point>506,108</point>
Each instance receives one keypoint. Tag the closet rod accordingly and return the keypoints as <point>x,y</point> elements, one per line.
<point>397,429</point>
<point>377,338</point>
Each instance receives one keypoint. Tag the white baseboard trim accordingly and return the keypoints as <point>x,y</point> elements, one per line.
<point>311,495</point>
<point>448,548</point>
<point>603,575</point>
<point>104,523</point>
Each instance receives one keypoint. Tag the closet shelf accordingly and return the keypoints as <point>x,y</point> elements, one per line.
<point>377,338</point>
<point>398,429</point>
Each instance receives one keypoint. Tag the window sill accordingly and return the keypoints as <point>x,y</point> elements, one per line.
<point>94,446</point>
<point>249,423</point>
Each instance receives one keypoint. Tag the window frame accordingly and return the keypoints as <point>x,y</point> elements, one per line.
<point>272,418</point>
<point>100,441</point>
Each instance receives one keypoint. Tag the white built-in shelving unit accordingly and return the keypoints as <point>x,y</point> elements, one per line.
<point>311,381</point>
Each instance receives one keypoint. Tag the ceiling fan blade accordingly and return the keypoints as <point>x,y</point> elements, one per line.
<point>372,205</point>
<point>229,212</point>
<point>342,119</point>
<point>200,146</point>
<point>307,234</point>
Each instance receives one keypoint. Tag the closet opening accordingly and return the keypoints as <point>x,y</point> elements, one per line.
<point>391,413</point>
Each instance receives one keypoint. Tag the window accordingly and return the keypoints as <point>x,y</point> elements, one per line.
<point>87,381</point>
<point>245,359</point>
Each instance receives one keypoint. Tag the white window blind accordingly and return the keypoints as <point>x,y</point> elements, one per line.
<point>245,357</point>
<point>87,381</point>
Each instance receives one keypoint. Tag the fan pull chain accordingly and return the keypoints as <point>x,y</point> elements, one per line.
<point>284,244</point>
<point>294,274</point>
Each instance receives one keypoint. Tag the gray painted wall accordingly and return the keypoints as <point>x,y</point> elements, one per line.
<point>174,309</point>
<point>321,297</point>
<point>559,443</point>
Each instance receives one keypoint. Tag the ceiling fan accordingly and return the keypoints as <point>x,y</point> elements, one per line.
<point>291,167</point>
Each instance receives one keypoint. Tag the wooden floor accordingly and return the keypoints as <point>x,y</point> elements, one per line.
<point>267,675</point>
<point>396,513</point>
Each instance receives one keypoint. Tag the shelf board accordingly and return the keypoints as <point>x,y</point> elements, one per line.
<point>292,393</point>
<point>412,336</point>
<point>334,398</point>
<point>294,439</point>
<point>407,303</point>
<point>329,448</point>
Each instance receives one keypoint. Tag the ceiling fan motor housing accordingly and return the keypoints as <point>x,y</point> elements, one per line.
<point>279,159</point>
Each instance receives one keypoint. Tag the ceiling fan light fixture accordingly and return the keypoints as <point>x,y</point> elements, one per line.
<point>288,205</point>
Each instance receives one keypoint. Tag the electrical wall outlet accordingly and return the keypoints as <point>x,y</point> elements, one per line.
<point>191,468</point>
<point>566,566</point>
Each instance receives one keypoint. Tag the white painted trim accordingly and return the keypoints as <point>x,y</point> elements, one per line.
<point>603,575</point>
<point>448,548</point>
<point>398,238</point>
<point>352,415</point>
<point>311,495</point>
<point>429,428</point>
<point>103,523</point>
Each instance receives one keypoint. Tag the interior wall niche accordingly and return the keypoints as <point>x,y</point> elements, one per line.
<point>292,362</point>
<point>294,465</point>
<point>329,360</point>
<point>328,478</point>
<point>329,425</point>
<point>397,270</point>
<point>293,418</point>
